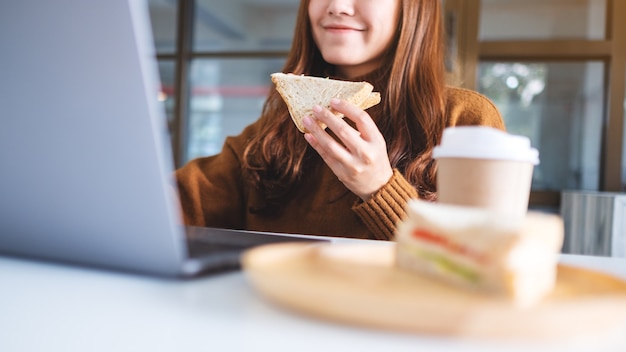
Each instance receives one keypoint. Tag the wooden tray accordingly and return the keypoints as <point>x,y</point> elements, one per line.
<point>359,284</point>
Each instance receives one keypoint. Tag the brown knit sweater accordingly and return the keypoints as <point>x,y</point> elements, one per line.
<point>213,193</point>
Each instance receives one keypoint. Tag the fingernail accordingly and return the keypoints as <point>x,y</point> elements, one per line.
<point>335,101</point>
<point>317,109</point>
<point>307,121</point>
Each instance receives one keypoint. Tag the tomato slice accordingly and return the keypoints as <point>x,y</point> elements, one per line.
<point>430,237</point>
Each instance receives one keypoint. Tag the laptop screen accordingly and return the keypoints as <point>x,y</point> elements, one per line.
<point>84,146</point>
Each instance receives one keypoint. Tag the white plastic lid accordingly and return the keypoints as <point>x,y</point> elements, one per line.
<point>480,142</point>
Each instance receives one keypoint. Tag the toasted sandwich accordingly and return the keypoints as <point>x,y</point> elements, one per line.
<point>301,93</point>
<point>475,249</point>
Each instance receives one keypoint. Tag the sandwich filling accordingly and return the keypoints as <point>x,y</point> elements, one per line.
<point>446,256</point>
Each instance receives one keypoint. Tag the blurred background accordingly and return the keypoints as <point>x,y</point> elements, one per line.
<point>555,69</point>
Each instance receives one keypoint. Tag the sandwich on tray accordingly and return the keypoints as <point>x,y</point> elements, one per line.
<point>301,93</point>
<point>475,249</point>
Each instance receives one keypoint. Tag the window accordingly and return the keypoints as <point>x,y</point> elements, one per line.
<point>227,94</point>
<point>559,106</point>
<point>243,26</point>
<point>224,52</point>
<point>555,68</point>
<point>542,19</point>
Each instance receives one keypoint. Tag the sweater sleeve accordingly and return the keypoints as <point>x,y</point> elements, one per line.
<point>467,107</point>
<point>387,207</point>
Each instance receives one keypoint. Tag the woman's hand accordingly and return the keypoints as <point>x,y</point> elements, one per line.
<point>361,163</point>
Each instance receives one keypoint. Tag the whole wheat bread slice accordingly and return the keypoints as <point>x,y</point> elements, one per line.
<point>301,93</point>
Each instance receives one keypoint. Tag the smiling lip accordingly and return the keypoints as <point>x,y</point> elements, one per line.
<point>340,28</point>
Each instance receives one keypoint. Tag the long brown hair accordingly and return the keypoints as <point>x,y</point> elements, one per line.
<point>411,80</point>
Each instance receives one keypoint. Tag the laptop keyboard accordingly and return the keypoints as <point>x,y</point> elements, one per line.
<point>197,248</point>
<point>218,250</point>
<point>202,241</point>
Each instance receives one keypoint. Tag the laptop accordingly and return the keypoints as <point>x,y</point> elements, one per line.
<point>86,166</point>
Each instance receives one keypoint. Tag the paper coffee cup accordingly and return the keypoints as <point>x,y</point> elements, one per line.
<point>485,167</point>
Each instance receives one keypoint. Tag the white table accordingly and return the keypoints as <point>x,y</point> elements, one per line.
<point>54,307</point>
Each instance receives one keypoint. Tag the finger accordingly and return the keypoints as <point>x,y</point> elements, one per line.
<point>311,124</point>
<point>325,145</point>
<point>349,136</point>
<point>362,120</point>
<point>331,159</point>
<point>346,133</point>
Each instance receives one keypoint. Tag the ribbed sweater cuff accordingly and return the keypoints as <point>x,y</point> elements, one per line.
<point>382,213</point>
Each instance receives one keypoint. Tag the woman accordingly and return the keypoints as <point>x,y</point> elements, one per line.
<point>354,178</point>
